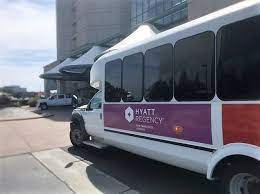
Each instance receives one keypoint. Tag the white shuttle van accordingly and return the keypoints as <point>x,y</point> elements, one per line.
<point>189,97</point>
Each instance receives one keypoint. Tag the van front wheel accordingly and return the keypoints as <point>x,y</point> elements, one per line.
<point>77,137</point>
<point>240,180</point>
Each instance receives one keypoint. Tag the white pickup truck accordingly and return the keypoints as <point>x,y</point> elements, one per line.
<point>55,100</point>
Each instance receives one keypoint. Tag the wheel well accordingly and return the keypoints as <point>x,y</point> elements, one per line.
<point>230,161</point>
<point>75,122</point>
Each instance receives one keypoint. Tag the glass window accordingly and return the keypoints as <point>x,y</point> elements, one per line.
<point>133,8</point>
<point>146,16</point>
<point>146,5</point>
<point>113,81</point>
<point>160,2</point>
<point>133,21</point>
<point>238,60</point>
<point>60,96</point>
<point>167,20</point>
<point>194,69</point>
<point>159,8</point>
<point>132,82</point>
<point>158,70</point>
<point>152,12</point>
<point>176,16</point>
<point>176,2</point>
<point>152,3</point>
<point>139,7</point>
<point>139,19</point>
<point>68,96</point>
<point>52,97</point>
<point>167,4</point>
<point>96,101</point>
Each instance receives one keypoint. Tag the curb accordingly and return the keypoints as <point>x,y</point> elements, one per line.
<point>28,118</point>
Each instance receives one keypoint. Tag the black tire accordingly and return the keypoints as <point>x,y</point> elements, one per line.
<point>240,179</point>
<point>43,106</point>
<point>78,136</point>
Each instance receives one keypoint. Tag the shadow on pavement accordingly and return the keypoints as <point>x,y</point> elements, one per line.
<point>60,113</point>
<point>142,174</point>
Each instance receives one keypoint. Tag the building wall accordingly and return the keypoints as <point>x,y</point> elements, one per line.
<point>81,22</point>
<point>143,10</point>
<point>64,19</point>
<point>198,8</point>
<point>97,20</point>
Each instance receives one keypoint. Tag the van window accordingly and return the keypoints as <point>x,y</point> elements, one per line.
<point>238,60</point>
<point>113,81</point>
<point>194,68</point>
<point>96,101</point>
<point>132,82</point>
<point>158,72</point>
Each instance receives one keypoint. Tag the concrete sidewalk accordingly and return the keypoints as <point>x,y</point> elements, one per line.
<point>16,114</point>
<point>80,176</point>
<point>23,174</point>
<point>55,171</point>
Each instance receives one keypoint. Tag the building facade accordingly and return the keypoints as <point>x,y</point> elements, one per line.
<point>169,13</point>
<point>145,10</point>
<point>198,8</point>
<point>83,23</point>
<point>86,22</point>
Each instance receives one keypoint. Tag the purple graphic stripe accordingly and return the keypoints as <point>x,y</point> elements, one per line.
<point>162,120</point>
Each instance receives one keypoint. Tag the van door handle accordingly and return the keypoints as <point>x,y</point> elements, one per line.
<point>100,116</point>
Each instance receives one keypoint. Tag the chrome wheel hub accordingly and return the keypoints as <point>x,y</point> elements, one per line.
<point>244,183</point>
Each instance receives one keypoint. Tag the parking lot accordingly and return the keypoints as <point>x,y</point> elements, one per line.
<point>36,157</point>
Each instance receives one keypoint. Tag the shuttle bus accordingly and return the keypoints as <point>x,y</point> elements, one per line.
<point>188,97</point>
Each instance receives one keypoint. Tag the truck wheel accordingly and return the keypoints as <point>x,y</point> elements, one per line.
<point>43,106</point>
<point>240,180</point>
<point>78,136</point>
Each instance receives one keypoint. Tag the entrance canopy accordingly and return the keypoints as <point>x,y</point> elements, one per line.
<point>141,33</point>
<point>83,63</point>
<point>54,72</point>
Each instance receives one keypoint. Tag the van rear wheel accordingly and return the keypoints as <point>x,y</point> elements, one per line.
<point>240,180</point>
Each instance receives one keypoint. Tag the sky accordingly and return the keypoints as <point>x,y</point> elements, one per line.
<point>27,41</point>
